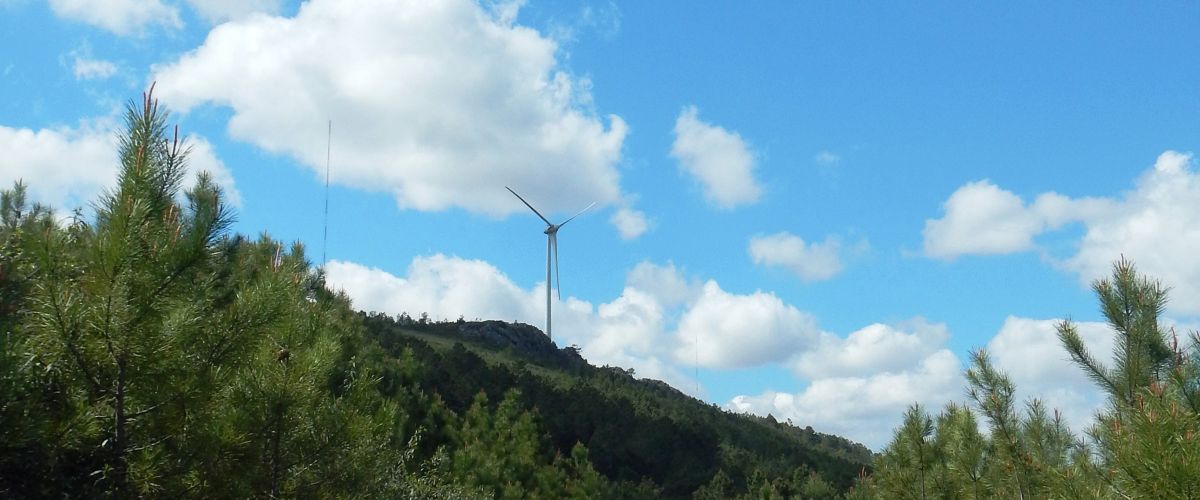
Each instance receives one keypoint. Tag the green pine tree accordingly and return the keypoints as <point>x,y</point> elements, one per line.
<point>1147,439</point>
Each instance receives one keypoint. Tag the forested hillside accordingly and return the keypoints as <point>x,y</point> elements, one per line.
<point>634,430</point>
<point>148,352</point>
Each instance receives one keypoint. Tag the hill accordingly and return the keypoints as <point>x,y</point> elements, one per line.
<point>635,429</point>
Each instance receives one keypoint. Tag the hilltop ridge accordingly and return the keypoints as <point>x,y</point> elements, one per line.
<point>635,429</point>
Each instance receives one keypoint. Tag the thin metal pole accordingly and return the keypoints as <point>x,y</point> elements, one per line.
<point>328,149</point>
<point>548,334</point>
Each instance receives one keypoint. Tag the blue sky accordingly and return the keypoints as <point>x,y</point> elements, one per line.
<point>812,210</point>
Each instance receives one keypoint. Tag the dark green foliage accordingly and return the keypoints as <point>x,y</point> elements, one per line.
<point>634,430</point>
<point>148,353</point>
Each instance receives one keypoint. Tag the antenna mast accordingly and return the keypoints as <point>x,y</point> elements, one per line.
<point>325,235</point>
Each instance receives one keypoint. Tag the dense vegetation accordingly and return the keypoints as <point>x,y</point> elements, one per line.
<point>635,430</point>
<point>1145,443</point>
<point>148,352</point>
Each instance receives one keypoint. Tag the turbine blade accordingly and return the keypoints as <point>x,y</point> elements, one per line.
<point>557,276</point>
<point>589,207</point>
<point>539,214</point>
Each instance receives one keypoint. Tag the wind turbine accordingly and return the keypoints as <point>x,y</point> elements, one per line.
<point>551,251</point>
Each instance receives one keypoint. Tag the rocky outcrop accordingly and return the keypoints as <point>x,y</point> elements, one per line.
<point>520,336</point>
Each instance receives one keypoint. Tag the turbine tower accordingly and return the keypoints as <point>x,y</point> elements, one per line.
<point>551,251</point>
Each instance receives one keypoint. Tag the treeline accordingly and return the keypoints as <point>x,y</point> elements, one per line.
<point>1144,444</point>
<point>147,352</point>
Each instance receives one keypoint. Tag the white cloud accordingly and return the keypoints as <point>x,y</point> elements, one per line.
<point>724,330</point>
<point>981,218</point>
<point>122,17</point>
<point>719,159</point>
<point>666,283</point>
<point>69,167</point>
<point>90,69</point>
<point>859,386</point>
<point>864,408</point>
<point>444,287</point>
<point>1030,352</point>
<point>808,261</point>
<point>1156,225</point>
<point>442,104</point>
<point>61,167</point>
<point>630,223</point>
<point>872,349</point>
<point>218,11</point>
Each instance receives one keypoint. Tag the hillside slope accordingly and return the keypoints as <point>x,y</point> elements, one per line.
<point>635,429</point>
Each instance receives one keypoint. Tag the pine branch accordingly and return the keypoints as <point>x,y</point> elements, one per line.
<point>1073,343</point>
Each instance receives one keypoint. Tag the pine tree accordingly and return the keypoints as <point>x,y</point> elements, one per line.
<point>1147,439</point>
<point>30,402</point>
<point>1132,305</point>
<point>162,357</point>
<point>117,307</point>
<point>965,451</point>
<point>905,467</point>
<point>994,394</point>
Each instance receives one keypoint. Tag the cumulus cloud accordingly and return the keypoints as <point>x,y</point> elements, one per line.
<point>860,385</point>
<point>122,17</point>
<point>1156,224</point>
<point>981,218</point>
<point>873,348</point>
<point>630,223</point>
<point>93,69</point>
<point>719,159</point>
<point>1030,352</point>
<point>808,261</point>
<point>62,167</point>
<point>68,167</point>
<point>441,104</point>
<point>444,287</point>
<point>724,330</point>
<point>666,283</point>
<point>218,11</point>
<point>864,408</point>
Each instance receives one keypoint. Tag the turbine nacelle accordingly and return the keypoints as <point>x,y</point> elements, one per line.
<point>551,233</point>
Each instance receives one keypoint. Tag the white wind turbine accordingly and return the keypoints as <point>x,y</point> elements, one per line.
<point>551,251</point>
